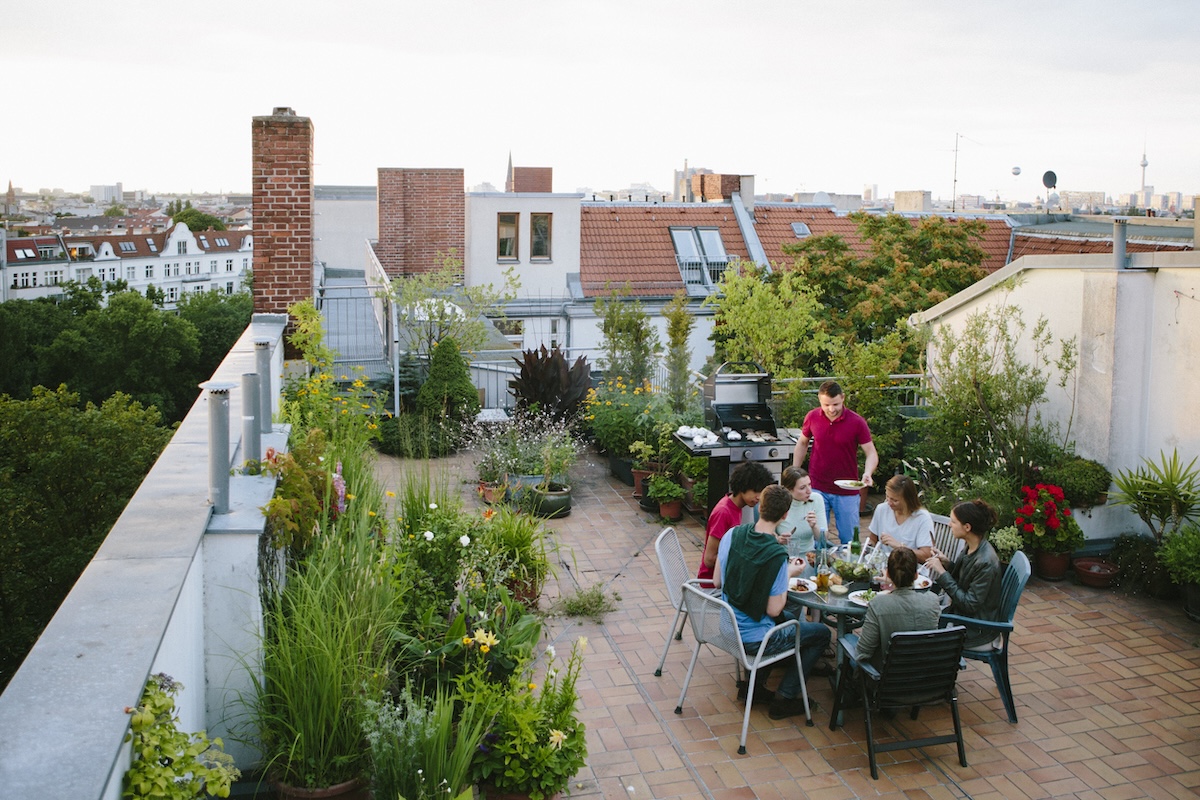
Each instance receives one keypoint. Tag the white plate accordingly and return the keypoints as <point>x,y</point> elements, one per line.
<point>922,582</point>
<point>857,597</point>
<point>849,484</point>
<point>801,585</point>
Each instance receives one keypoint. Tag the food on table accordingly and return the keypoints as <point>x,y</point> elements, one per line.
<point>853,570</point>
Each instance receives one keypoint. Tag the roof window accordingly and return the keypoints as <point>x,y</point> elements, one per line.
<point>152,245</point>
<point>128,247</point>
<point>801,230</point>
<point>701,256</point>
<point>221,241</point>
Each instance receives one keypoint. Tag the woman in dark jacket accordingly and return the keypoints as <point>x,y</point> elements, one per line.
<point>973,580</point>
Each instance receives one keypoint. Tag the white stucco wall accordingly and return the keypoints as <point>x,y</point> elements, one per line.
<point>341,223</point>
<point>539,279</point>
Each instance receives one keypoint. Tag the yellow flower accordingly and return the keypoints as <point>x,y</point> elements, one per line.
<point>390,493</point>
<point>468,641</point>
<point>582,642</point>
<point>483,648</point>
<point>345,411</point>
<point>349,496</point>
<point>370,513</point>
<point>532,686</point>
<point>485,637</point>
<point>557,738</point>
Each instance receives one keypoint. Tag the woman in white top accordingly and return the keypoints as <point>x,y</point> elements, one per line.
<point>806,519</point>
<point>902,521</point>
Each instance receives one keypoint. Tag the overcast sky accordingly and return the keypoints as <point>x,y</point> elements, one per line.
<point>806,96</point>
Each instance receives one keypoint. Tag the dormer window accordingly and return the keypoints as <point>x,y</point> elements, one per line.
<point>701,255</point>
<point>222,241</point>
<point>128,247</point>
<point>150,243</point>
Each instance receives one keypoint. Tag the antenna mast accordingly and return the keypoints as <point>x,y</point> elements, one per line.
<point>954,194</point>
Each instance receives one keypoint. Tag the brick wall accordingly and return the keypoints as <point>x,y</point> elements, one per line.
<point>422,213</point>
<point>710,188</point>
<point>281,165</point>
<point>533,179</point>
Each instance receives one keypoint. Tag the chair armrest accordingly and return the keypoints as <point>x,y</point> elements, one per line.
<point>849,643</point>
<point>971,622</point>
<point>703,584</point>
<point>791,623</point>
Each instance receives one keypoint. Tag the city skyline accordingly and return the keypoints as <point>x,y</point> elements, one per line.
<point>803,96</point>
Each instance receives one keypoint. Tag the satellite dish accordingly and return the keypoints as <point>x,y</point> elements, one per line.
<point>1016,170</point>
<point>1052,200</point>
<point>822,198</point>
<point>1050,180</point>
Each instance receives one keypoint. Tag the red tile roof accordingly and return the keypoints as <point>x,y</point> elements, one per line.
<point>622,243</point>
<point>1032,244</point>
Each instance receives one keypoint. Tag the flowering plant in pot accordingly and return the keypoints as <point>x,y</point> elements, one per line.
<point>1050,531</point>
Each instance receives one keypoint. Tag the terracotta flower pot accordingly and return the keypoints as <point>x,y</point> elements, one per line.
<point>1095,572</point>
<point>672,510</point>
<point>350,790</point>
<point>1051,566</point>
<point>639,481</point>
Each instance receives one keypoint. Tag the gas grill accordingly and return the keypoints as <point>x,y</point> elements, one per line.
<point>737,399</point>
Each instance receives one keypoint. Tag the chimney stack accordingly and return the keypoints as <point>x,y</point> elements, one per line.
<point>281,166</point>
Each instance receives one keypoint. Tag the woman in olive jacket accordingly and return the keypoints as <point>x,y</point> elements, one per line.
<point>973,580</point>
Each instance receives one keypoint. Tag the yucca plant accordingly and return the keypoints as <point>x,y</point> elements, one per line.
<point>547,384</point>
<point>1164,495</point>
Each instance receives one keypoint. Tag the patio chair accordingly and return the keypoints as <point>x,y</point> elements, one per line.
<point>713,623</point>
<point>920,669</point>
<point>944,540</point>
<point>996,652</point>
<point>675,573</point>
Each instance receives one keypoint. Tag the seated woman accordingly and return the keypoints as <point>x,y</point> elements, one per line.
<point>752,571</point>
<point>972,582</point>
<point>806,519</point>
<point>903,609</point>
<point>901,521</point>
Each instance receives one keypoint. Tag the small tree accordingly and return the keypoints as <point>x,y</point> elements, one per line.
<point>448,391</point>
<point>631,346</point>
<point>680,322</point>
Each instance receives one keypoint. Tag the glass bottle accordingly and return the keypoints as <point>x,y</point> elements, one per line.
<point>855,544</point>
<point>823,572</point>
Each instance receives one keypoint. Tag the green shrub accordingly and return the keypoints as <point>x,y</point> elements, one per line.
<point>1180,554</point>
<point>416,435</point>
<point>1141,569</point>
<point>448,390</point>
<point>1082,480</point>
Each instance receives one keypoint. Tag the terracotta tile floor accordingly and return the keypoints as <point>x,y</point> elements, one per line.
<point>1107,689</point>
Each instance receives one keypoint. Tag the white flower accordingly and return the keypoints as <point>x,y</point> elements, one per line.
<point>464,540</point>
<point>433,506</point>
<point>429,536</point>
<point>550,652</point>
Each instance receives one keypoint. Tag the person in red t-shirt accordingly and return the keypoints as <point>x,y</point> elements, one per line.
<point>746,482</point>
<point>836,434</point>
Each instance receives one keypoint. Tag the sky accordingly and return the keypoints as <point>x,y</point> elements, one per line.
<point>805,96</point>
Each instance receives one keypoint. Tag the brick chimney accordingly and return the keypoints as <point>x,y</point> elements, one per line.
<point>422,213</point>
<point>532,179</point>
<point>713,188</point>
<point>282,160</point>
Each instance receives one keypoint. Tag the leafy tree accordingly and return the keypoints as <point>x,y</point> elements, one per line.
<point>448,391</point>
<point>176,206</point>
<point>631,345</point>
<point>680,322</point>
<point>435,305</point>
<point>197,220</point>
<point>116,210</point>
<point>26,328</point>
<point>773,320</point>
<point>907,268</point>
<point>219,320</point>
<point>66,473</point>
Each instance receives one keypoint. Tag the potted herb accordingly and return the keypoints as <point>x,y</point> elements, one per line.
<point>1180,554</point>
<point>536,743</point>
<point>1051,532</point>
<point>697,500</point>
<point>1083,481</point>
<point>669,494</point>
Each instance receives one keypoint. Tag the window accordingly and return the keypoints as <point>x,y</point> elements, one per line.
<point>26,252</point>
<point>128,247</point>
<point>46,253</point>
<point>172,293</point>
<point>24,280</point>
<point>131,273</point>
<point>513,329</point>
<point>54,277</point>
<point>150,243</point>
<point>506,236</point>
<point>212,266</point>
<point>229,288</point>
<point>181,248</point>
<point>204,241</point>
<point>553,334</point>
<point>245,263</point>
<point>700,254</point>
<point>222,241</point>
<point>149,270</point>
<point>801,230</point>
<point>539,236</point>
<point>229,265</point>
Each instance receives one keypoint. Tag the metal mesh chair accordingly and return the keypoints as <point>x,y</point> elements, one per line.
<point>713,623</point>
<point>675,573</point>
<point>1015,578</point>
<point>944,540</point>
<point>920,670</point>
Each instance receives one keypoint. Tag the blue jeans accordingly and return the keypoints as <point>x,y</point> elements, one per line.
<point>814,637</point>
<point>844,510</point>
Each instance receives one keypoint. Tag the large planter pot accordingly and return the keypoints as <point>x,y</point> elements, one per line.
<point>553,501</point>
<point>356,789</point>
<point>639,481</point>
<point>672,510</point>
<point>1191,601</point>
<point>492,493</point>
<point>1051,566</point>
<point>519,484</point>
<point>621,469</point>
<point>1095,572</point>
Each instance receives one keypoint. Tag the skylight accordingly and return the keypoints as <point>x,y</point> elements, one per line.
<point>153,246</point>
<point>801,230</point>
<point>221,241</point>
<point>128,247</point>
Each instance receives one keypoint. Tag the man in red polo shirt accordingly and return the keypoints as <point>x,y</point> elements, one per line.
<point>836,434</point>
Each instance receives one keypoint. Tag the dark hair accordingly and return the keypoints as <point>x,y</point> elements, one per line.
<point>906,487</point>
<point>976,513</point>
<point>902,567</point>
<point>829,389</point>
<point>791,476</point>
<point>749,476</point>
<point>774,503</point>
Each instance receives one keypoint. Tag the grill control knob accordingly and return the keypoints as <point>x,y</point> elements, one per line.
<point>747,455</point>
<point>773,452</point>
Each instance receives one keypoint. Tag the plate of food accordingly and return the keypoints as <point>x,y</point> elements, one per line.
<point>801,585</point>
<point>849,484</point>
<point>864,596</point>
<point>922,582</point>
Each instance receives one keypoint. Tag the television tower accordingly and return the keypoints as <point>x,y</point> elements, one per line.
<point>1144,164</point>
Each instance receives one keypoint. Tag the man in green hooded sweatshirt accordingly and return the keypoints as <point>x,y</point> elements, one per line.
<point>752,573</point>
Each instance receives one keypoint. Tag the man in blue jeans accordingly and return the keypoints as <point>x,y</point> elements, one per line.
<point>836,434</point>
<point>752,573</point>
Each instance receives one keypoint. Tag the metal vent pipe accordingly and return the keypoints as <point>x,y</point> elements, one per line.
<point>262,363</point>
<point>218,443</point>
<point>251,435</point>
<point>1120,261</point>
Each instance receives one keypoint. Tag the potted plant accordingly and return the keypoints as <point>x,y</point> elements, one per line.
<point>1180,554</point>
<point>536,743</point>
<point>1006,541</point>
<point>492,468</point>
<point>552,496</point>
<point>644,456</point>
<point>1164,495</point>
<point>669,494</point>
<point>521,543</point>
<point>1084,482</point>
<point>697,500</point>
<point>1050,531</point>
<point>547,384</point>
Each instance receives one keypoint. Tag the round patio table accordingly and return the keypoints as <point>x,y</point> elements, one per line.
<point>838,605</point>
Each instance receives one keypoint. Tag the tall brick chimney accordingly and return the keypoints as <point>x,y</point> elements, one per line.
<point>422,213</point>
<point>282,160</point>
